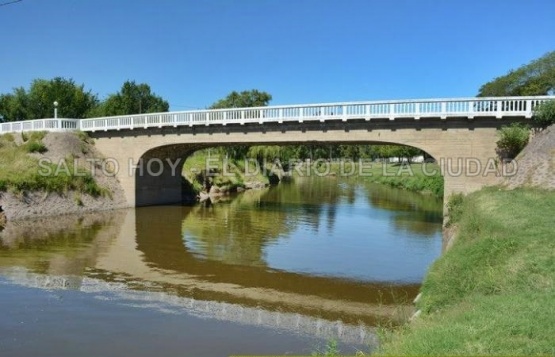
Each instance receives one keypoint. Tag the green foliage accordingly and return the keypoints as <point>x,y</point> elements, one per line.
<point>15,106</point>
<point>198,178</point>
<point>423,178</point>
<point>7,137</point>
<point>32,135</point>
<point>133,98</point>
<point>244,99</point>
<point>331,349</point>
<point>84,137</point>
<point>512,139</point>
<point>398,151</point>
<point>492,292</point>
<point>455,208</point>
<point>544,114</point>
<point>33,141</point>
<point>74,101</point>
<point>535,78</point>
<point>35,146</point>
<point>21,172</point>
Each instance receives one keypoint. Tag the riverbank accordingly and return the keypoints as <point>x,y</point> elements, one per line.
<point>207,173</point>
<point>210,175</point>
<point>422,178</point>
<point>492,293</point>
<point>46,174</point>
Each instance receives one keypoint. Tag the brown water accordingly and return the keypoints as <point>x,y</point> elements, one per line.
<point>278,271</point>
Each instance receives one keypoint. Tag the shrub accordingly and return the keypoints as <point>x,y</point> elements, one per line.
<point>85,138</point>
<point>35,146</point>
<point>544,114</point>
<point>455,208</point>
<point>512,139</point>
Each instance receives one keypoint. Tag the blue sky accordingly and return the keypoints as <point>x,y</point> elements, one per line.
<point>194,52</point>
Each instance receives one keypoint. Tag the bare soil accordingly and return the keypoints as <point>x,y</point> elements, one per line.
<point>536,163</point>
<point>69,147</point>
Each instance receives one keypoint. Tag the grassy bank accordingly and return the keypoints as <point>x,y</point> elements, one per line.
<point>493,292</point>
<point>416,177</point>
<point>423,178</point>
<point>20,169</point>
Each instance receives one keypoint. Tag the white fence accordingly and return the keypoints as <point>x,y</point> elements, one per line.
<point>470,108</point>
<point>40,125</point>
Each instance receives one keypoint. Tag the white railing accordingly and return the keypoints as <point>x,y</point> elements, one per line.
<point>502,107</point>
<point>40,125</point>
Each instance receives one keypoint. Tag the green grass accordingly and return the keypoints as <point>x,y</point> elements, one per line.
<point>35,146</point>
<point>416,177</point>
<point>21,172</point>
<point>424,178</point>
<point>493,292</point>
<point>196,165</point>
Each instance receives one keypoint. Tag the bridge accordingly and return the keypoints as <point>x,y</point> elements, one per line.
<point>459,133</point>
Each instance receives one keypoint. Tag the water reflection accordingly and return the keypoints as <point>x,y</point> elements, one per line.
<point>279,258</point>
<point>235,231</point>
<point>417,214</point>
<point>294,228</point>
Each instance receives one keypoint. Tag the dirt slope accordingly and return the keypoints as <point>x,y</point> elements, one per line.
<point>536,163</point>
<point>68,146</point>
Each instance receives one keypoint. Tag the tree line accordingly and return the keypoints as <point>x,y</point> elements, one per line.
<point>74,101</point>
<point>534,78</point>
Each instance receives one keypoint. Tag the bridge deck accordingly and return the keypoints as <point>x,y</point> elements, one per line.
<point>470,108</point>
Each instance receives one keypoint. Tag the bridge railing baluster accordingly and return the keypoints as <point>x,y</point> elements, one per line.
<point>430,108</point>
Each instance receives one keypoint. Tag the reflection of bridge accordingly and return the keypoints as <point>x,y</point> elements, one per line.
<point>223,311</point>
<point>453,131</point>
<point>142,260</point>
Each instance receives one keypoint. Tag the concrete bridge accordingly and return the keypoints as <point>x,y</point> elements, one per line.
<point>148,150</point>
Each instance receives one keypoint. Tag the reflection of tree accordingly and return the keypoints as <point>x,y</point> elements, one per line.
<point>233,232</point>
<point>64,246</point>
<point>415,212</point>
<point>237,232</point>
<point>424,224</point>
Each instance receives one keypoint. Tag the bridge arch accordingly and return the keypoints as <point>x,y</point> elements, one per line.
<point>458,145</point>
<point>158,171</point>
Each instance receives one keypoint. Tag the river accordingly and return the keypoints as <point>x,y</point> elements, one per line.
<point>283,270</point>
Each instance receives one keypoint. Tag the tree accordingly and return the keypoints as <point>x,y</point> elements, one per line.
<point>74,101</point>
<point>133,98</point>
<point>398,151</point>
<point>535,78</point>
<point>14,106</point>
<point>245,99</point>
